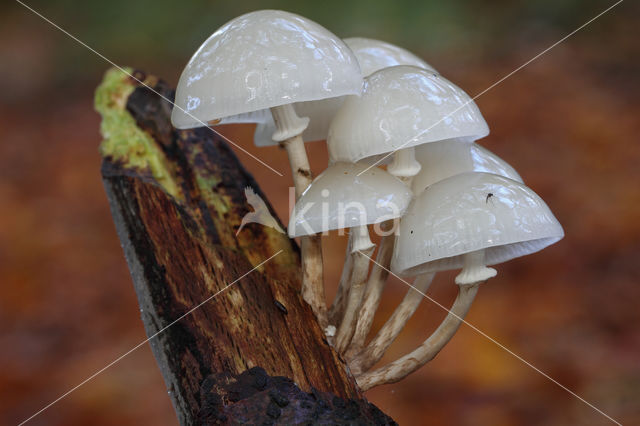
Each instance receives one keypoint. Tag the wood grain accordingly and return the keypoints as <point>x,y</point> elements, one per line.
<point>183,248</point>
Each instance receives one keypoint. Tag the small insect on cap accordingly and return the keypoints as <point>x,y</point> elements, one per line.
<point>261,60</point>
<point>468,213</point>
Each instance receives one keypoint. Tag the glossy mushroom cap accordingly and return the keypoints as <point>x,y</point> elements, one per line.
<point>338,198</point>
<point>444,159</point>
<point>471,212</point>
<point>372,55</point>
<point>261,60</point>
<point>401,107</point>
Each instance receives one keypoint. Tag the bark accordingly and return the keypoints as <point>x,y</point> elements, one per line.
<point>255,352</point>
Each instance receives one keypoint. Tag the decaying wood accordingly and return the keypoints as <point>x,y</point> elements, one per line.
<point>254,353</point>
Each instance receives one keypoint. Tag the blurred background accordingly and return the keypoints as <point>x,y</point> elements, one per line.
<point>568,122</point>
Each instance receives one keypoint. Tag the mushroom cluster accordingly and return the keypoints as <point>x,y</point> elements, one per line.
<point>403,163</point>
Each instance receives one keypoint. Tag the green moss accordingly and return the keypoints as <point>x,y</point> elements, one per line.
<point>123,141</point>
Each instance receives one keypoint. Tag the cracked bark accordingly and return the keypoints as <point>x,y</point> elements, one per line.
<point>255,352</point>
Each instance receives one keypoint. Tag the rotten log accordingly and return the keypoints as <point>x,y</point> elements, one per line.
<point>254,353</point>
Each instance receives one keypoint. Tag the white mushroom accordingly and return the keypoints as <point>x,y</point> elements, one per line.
<point>444,159</point>
<point>372,55</point>
<point>396,103</point>
<point>270,59</point>
<point>467,221</point>
<point>346,195</point>
<point>471,220</point>
<point>400,108</point>
<point>439,161</point>
<point>262,60</point>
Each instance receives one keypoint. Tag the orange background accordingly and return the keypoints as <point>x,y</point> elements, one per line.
<point>568,122</point>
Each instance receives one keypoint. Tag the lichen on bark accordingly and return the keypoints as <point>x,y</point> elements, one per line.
<point>124,142</point>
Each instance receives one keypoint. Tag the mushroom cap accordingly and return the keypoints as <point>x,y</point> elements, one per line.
<point>261,60</point>
<point>401,107</point>
<point>469,212</point>
<point>259,116</point>
<point>443,159</point>
<point>372,55</point>
<point>341,197</point>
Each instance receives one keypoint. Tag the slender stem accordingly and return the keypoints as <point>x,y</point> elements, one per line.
<point>312,277</point>
<point>404,163</point>
<point>373,290</point>
<point>340,301</point>
<point>409,363</point>
<point>289,132</point>
<point>390,330</point>
<point>362,250</point>
<point>300,168</point>
<point>474,269</point>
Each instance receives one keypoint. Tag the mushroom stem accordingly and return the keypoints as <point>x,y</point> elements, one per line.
<point>312,277</point>
<point>360,253</point>
<point>361,240</point>
<point>390,330</point>
<point>373,289</point>
<point>474,269</point>
<point>399,369</point>
<point>340,301</point>
<point>289,128</point>
<point>404,164</point>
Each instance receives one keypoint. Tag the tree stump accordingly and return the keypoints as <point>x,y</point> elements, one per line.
<point>254,353</point>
